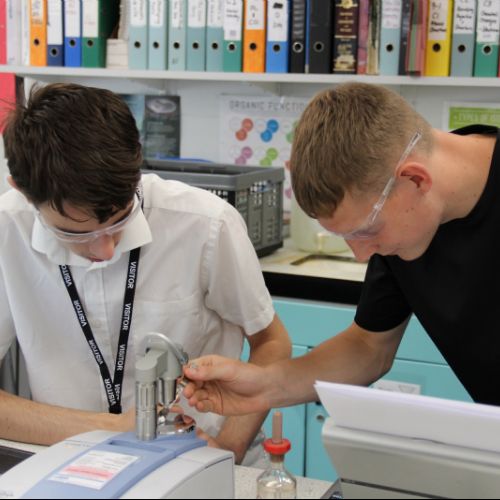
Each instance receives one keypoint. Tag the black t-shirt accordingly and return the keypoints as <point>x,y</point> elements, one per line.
<point>453,289</point>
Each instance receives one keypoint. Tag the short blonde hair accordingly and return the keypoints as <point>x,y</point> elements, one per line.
<point>349,139</point>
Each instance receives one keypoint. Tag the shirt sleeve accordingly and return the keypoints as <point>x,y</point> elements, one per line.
<point>382,305</point>
<point>233,277</point>
<point>7,330</point>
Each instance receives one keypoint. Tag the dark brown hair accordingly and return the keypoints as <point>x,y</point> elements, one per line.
<point>349,139</point>
<point>77,145</point>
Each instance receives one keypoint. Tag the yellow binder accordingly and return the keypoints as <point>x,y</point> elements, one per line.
<point>439,32</point>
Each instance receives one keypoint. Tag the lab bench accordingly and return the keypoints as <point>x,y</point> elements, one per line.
<point>316,298</point>
<point>12,453</point>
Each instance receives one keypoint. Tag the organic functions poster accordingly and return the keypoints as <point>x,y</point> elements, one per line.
<point>258,131</point>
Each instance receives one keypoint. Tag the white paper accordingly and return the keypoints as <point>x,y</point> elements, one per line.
<point>54,23</point>
<point>72,17</point>
<point>232,20</point>
<point>255,15</point>
<point>214,13</point>
<point>488,21</point>
<point>157,13</point>
<point>94,469</point>
<point>90,25</point>
<point>438,20</point>
<point>457,423</point>
<point>391,14</point>
<point>464,20</point>
<point>138,13</point>
<point>177,14</point>
<point>277,22</point>
<point>197,13</point>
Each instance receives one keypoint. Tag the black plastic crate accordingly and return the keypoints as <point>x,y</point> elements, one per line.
<point>256,192</point>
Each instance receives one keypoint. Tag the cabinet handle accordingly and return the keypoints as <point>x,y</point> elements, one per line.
<point>320,418</point>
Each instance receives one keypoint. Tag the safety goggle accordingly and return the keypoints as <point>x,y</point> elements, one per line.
<point>88,237</point>
<point>370,227</point>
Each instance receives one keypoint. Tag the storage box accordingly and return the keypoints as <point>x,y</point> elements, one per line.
<point>256,192</point>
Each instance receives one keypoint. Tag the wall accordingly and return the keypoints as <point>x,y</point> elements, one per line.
<point>200,112</point>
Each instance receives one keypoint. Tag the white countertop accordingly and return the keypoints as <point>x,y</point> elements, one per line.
<point>244,477</point>
<point>246,484</point>
<point>289,260</point>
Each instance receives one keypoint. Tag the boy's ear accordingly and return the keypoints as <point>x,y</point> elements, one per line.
<point>12,182</point>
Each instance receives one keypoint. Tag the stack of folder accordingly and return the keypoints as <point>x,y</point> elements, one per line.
<point>375,37</point>
<point>57,32</point>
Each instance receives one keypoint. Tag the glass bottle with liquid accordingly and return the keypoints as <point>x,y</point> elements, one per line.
<point>276,481</point>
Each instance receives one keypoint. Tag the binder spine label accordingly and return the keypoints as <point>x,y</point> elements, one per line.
<point>72,18</point>
<point>214,14</point>
<point>55,23</point>
<point>197,13</point>
<point>299,15</point>
<point>37,12</point>
<point>233,13</point>
<point>438,20</point>
<point>465,17</point>
<point>391,14</point>
<point>345,36</point>
<point>177,14</point>
<point>277,28</point>
<point>138,13</point>
<point>254,15</point>
<point>90,19</point>
<point>157,13</point>
<point>488,22</point>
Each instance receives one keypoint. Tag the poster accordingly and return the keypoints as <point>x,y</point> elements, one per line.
<point>461,114</point>
<point>158,119</point>
<point>258,131</point>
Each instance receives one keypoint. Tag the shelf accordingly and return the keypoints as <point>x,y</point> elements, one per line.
<point>51,72</point>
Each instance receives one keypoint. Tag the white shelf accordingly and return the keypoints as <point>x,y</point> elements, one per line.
<point>50,72</point>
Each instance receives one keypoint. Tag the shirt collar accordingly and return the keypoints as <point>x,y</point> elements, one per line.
<point>136,234</point>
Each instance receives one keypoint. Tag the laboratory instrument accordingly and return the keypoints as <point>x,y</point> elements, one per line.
<point>162,459</point>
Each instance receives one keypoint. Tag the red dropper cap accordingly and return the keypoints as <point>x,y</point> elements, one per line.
<point>277,445</point>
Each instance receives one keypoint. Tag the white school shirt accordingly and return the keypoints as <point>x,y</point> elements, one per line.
<point>199,282</point>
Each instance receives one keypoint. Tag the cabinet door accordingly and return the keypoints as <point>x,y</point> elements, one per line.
<point>309,323</point>
<point>424,378</point>
<point>318,463</point>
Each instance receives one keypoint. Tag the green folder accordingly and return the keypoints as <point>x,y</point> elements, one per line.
<point>232,56</point>
<point>486,60</point>
<point>100,17</point>
<point>487,38</point>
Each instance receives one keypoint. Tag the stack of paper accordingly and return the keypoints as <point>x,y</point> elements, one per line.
<point>457,423</point>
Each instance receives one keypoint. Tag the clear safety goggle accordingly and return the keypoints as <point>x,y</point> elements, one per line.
<point>88,237</point>
<point>370,227</point>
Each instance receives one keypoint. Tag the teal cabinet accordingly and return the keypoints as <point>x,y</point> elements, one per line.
<point>419,367</point>
<point>430,379</point>
<point>317,463</point>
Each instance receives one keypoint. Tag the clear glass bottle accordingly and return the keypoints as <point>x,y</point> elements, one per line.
<point>276,481</point>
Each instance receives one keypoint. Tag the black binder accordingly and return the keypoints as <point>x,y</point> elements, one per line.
<point>320,25</point>
<point>345,37</point>
<point>298,19</point>
<point>405,33</point>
